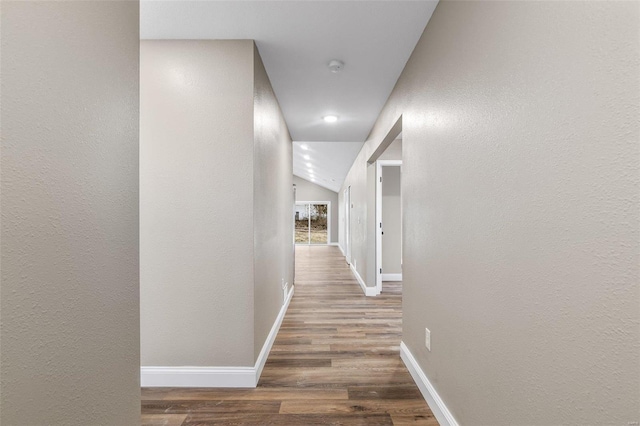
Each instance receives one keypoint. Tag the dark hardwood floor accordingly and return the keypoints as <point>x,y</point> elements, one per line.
<point>335,362</point>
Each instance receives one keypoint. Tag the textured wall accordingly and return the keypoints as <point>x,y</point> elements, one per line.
<point>309,191</point>
<point>520,209</point>
<point>393,151</point>
<point>69,184</point>
<point>196,203</point>
<point>361,178</point>
<point>273,205</point>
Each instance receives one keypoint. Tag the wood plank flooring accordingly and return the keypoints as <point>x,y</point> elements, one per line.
<point>335,362</point>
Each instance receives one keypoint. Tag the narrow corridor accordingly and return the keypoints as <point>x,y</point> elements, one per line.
<point>335,362</point>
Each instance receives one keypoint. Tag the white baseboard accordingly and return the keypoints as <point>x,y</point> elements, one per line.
<point>341,250</point>
<point>198,377</point>
<point>391,277</point>
<point>437,405</point>
<point>215,377</point>
<point>368,291</point>
<point>334,244</point>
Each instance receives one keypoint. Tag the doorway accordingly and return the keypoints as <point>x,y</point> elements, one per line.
<point>347,224</point>
<point>388,154</point>
<point>313,222</point>
<point>388,222</point>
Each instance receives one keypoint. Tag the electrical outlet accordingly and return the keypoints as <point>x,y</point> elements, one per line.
<point>427,339</point>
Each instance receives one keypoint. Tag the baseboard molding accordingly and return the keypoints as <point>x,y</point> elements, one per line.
<point>342,250</point>
<point>391,277</point>
<point>198,377</point>
<point>335,244</point>
<point>215,377</point>
<point>437,405</point>
<point>368,291</point>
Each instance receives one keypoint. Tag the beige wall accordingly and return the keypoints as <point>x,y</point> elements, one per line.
<point>520,209</point>
<point>69,279</point>
<point>216,220</point>
<point>393,151</point>
<point>309,191</point>
<point>391,221</point>
<point>361,178</point>
<point>273,206</point>
<point>196,202</point>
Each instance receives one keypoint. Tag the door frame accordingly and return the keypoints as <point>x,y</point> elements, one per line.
<point>347,224</point>
<point>379,165</point>
<point>373,229</point>
<point>328,204</point>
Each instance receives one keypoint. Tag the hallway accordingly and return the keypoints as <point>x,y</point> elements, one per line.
<point>335,362</point>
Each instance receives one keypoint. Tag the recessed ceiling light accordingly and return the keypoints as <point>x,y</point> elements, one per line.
<point>330,118</point>
<point>312,180</point>
<point>306,157</point>
<point>309,165</point>
<point>305,147</point>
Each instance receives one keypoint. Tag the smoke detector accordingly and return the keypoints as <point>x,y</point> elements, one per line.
<point>335,65</point>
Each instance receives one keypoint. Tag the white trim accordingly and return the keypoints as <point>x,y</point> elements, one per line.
<point>437,405</point>
<point>215,377</point>
<point>379,165</point>
<point>341,250</point>
<point>198,377</point>
<point>334,244</point>
<point>391,277</point>
<point>368,291</point>
<point>347,222</point>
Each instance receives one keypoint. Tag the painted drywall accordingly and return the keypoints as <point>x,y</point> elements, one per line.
<point>361,177</point>
<point>69,184</point>
<point>391,221</point>
<point>216,203</point>
<point>196,203</point>
<point>520,209</point>
<point>344,211</point>
<point>272,206</point>
<point>309,191</point>
<point>393,151</point>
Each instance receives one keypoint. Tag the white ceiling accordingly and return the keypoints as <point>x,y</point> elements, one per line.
<point>330,161</point>
<point>296,40</point>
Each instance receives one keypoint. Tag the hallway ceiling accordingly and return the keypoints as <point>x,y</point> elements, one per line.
<point>330,161</point>
<point>296,40</point>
